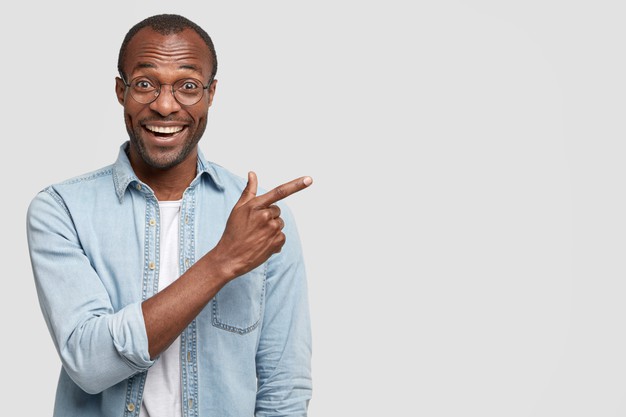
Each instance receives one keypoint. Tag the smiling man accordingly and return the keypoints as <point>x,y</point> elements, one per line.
<point>170,288</point>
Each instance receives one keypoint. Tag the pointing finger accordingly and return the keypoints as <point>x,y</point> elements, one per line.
<point>283,191</point>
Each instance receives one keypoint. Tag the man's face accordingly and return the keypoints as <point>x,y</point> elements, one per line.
<point>165,133</point>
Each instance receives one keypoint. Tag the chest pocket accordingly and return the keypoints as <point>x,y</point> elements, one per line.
<point>237,307</point>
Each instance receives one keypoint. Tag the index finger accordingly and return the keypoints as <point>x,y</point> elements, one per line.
<point>283,191</point>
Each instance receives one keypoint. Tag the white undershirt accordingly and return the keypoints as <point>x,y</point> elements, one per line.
<point>162,392</point>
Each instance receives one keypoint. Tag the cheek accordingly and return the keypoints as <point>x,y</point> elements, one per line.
<point>128,118</point>
<point>132,114</point>
<point>205,108</point>
<point>128,122</point>
<point>131,119</point>
<point>200,115</point>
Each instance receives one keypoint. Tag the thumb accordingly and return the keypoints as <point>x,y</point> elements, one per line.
<point>249,192</point>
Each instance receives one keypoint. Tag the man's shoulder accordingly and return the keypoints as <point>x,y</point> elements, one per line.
<point>80,185</point>
<point>87,179</point>
<point>73,192</point>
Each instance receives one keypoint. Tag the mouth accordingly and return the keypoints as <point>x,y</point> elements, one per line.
<point>164,131</point>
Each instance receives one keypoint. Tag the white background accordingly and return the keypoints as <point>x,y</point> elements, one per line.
<point>465,236</point>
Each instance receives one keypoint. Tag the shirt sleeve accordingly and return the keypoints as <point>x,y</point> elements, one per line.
<point>284,352</point>
<point>98,346</point>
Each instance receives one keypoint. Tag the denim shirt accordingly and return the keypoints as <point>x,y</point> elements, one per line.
<point>94,247</point>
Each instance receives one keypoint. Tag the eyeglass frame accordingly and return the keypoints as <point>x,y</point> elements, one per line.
<point>204,87</point>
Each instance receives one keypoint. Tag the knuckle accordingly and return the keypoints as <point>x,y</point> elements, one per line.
<point>279,242</point>
<point>276,224</point>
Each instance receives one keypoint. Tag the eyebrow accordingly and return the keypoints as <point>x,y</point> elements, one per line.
<point>144,65</point>
<point>191,67</point>
<point>194,68</point>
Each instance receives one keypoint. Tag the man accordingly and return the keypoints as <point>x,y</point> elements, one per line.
<point>170,288</point>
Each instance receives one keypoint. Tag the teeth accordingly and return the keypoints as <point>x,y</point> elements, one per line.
<point>164,129</point>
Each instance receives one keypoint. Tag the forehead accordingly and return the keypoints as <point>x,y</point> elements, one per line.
<point>185,50</point>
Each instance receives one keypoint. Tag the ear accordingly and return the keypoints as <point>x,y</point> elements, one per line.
<point>211,91</point>
<point>120,90</point>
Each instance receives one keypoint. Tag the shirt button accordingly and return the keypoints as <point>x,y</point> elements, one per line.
<point>152,222</point>
<point>138,186</point>
<point>187,262</point>
<point>130,407</point>
<point>189,356</point>
<point>151,265</point>
<point>190,402</point>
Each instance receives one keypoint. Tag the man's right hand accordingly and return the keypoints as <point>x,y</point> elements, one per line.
<point>254,228</point>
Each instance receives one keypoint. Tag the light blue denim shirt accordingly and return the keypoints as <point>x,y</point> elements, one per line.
<point>94,247</point>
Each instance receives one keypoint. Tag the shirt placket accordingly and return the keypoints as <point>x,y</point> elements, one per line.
<point>134,391</point>
<point>188,338</point>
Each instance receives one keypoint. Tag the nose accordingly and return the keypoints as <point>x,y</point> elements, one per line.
<point>165,104</point>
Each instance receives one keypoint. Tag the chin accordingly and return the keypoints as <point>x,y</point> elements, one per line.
<point>165,160</point>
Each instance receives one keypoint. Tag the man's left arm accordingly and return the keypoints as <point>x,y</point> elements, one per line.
<point>284,353</point>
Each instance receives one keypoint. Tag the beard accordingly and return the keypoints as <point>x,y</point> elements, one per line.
<point>168,158</point>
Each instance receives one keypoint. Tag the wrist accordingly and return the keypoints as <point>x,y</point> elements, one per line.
<point>218,266</point>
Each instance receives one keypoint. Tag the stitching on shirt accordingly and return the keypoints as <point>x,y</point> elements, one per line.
<point>88,177</point>
<point>234,329</point>
<point>56,197</point>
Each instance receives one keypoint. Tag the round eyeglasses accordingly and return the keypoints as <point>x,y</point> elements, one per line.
<point>187,91</point>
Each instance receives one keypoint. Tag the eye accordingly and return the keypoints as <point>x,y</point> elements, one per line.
<point>189,86</point>
<point>143,84</point>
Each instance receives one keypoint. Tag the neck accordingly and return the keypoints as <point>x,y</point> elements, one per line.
<point>168,184</point>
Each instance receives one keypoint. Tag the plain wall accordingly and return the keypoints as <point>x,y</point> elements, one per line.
<point>466,232</point>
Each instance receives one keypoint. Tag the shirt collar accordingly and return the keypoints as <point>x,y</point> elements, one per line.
<point>123,174</point>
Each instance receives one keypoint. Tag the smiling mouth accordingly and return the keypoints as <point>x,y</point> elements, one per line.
<point>164,131</point>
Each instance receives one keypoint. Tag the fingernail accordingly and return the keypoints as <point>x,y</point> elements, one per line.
<point>307,181</point>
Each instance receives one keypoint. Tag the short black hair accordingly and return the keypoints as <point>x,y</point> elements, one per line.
<point>166,24</point>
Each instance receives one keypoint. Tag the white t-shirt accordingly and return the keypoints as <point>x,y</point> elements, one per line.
<point>162,392</point>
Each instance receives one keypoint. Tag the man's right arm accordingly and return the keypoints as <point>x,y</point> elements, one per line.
<point>98,346</point>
